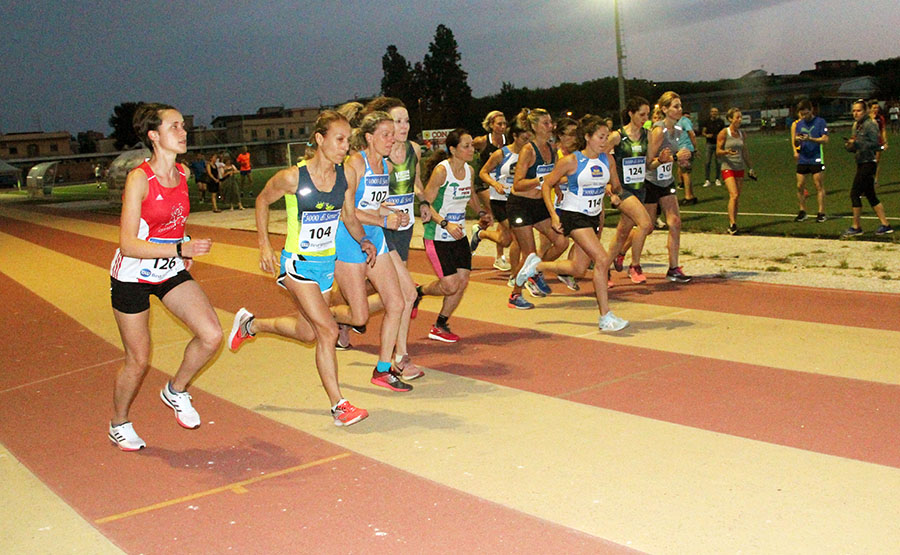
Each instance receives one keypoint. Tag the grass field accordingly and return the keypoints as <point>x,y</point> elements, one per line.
<point>767,206</point>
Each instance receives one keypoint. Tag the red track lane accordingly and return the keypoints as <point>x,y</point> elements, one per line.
<point>354,504</point>
<point>849,418</point>
<point>806,304</point>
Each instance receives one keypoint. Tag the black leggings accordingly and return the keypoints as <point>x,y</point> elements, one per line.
<point>864,185</point>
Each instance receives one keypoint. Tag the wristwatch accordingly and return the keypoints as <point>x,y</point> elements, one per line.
<point>444,223</point>
<point>541,180</point>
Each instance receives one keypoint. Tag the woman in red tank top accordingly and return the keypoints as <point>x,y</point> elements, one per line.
<point>153,259</point>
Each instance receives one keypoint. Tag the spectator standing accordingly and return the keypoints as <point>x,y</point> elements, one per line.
<point>688,140</point>
<point>808,134</point>
<point>198,169</point>
<point>710,131</point>
<point>231,190</point>
<point>243,160</point>
<point>894,116</point>
<point>878,117</point>
<point>864,143</point>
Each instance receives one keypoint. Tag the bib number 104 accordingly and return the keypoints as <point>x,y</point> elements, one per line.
<point>319,232</point>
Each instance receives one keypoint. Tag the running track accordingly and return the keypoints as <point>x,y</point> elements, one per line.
<point>729,417</point>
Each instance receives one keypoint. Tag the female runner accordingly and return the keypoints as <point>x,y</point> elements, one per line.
<point>154,257</point>
<point>662,152</point>
<point>317,194</point>
<point>526,207</point>
<point>566,132</point>
<point>448,191</point>
<point>369,167</point>
<point>577,212</point>
<point>630,143</point>
<point>732,149</point>
<point>405,185</point>
<point>486,145</point>
<point>497,172</point>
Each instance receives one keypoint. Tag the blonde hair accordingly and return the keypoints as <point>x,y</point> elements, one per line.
<point>489,119</point>
<point>368,125</point>
<point>666,99</point>
<point>532,117</point>
<point>322,125</point>
<point>731,112</point>
<point>352,111</point>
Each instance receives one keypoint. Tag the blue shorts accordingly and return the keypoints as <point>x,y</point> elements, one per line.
<point>320,272</point>
<point>348,249</point>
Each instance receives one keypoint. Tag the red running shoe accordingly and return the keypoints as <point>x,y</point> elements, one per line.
<point>346,414</point>
<point>415,308</point>
<point>442,333</point>
<point>389,381</point>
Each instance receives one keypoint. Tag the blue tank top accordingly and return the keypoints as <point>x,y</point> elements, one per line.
<point>372,188</point>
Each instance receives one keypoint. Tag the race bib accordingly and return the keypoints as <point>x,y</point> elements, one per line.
<point>375,192</point>
<point>404,203</point>
<point>543,170</point>
<point>633,169</point>
<point>157,270</point>
<point>664,172</point>
<point>453,218</point>
<point>317,232</point>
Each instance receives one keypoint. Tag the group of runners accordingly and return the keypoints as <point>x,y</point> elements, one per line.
<point>351,207</point>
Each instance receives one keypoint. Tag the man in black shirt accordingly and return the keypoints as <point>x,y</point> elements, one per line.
<point>710,131</point>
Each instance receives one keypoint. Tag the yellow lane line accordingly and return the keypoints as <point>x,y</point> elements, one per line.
<point>236,487</point>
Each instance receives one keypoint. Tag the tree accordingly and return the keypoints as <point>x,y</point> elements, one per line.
<point>122,122</point>
<point>397,78</point>
<point>87,141</point>
<point>447,95</point>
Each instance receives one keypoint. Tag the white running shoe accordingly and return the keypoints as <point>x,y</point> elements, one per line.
<point>502,264</point>
<point>125,437</point>
<point>706,183</point>
<point>529,268</point>
<point>718,182</point>
<point>611,322</point>
<point>180,402</point>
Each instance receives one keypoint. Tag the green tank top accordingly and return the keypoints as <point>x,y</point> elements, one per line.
<point>403,176</point>
<point>631,159</point>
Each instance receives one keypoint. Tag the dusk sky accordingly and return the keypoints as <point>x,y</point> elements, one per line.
<point>67,64</point>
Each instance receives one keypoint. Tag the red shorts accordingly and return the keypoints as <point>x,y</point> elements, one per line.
<point>737,174</point>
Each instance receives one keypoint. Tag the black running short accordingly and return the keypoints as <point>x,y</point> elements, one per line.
<point>133,298</point>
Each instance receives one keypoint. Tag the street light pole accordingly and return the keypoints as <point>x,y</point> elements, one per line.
<point>619,58</point>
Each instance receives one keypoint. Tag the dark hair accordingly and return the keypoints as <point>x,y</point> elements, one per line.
<point>873,103</point>
<point>323,123</point>
<point>382,104</point>
<point>439,156</point>
<point>632,106</point>
<point>804,104</point>
<point>148,117</point>
<point>562,123</point>
<point>588,125</point>
<point>515,127</point>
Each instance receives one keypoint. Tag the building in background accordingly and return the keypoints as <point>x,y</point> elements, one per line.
<point>14,146</point>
